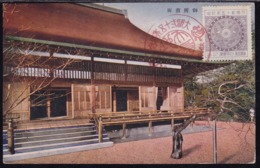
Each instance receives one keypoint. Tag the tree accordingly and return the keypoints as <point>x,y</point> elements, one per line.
<point>237,84</point>
<point>191,94</point>
<point>29,69</point>
<point>230,92</point>
<point>177,138</point>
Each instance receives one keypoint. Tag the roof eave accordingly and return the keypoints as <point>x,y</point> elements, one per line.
<point>109,50</point>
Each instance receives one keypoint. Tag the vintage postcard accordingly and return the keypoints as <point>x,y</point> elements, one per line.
<point>129,83</point>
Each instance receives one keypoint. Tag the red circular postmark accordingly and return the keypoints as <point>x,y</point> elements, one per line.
<point>181,30</point>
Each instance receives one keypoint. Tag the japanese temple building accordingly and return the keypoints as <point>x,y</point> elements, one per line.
<point>110,69</point>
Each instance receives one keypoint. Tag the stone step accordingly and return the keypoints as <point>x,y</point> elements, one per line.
<point>52,131</point>
<point>55,145</point>
<point>49,131</point>
<point>58,135</point>
<point>48,141</point>
<point>53,141</point>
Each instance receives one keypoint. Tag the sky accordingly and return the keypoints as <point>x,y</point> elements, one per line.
<point>144,15</point>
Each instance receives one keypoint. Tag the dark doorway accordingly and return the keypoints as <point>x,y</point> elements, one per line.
<point>38,102</point>
<point>58,103</point>
<point>121,100</point>
<point>159,100</point>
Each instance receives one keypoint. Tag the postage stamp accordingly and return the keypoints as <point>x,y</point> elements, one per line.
<point>229,32</point>
<point>180,29</point>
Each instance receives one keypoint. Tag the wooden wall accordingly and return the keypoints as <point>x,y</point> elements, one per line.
<point>133,100</point>
<point>16,98</point>
<point>79,101</point>
<point>82,102</point>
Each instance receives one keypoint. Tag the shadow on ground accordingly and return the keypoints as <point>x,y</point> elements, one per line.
<point>137,132</point>
<point>225,160</point>
<point>190,150</point>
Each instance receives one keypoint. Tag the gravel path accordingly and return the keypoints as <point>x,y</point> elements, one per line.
<point>236,144</point>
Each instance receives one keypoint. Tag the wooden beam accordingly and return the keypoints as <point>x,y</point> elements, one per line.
<point>145,120</point>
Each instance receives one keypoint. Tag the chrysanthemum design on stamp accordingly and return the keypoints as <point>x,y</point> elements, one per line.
<point>227,33</point>
<point>229,29</point>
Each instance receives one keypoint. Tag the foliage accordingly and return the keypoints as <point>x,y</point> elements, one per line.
<point>230,89</point>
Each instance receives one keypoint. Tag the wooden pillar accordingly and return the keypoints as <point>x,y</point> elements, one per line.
<point>128,101</point>
<point>154,88</point>
<point>154,73</point>
<point>114,101</point>
<point>48,104</point>
<point>140,98</point>
<point>182,86</point>
<point>72,100</point>
<point>124,130</point>
<point>169,98</point>
<point>111,99</point>
<point>93,99</point>
<point>172,124</point>
<point>10,137</point>
<point>93,94</point>
<point>28,114</point>
<point>52,65</point>
<point>125,70</point>
<point>150,126</point>
<point>154,99</point>
<point>100,127</point>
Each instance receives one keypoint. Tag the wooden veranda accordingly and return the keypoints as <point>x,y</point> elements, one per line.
<point>124,118</point>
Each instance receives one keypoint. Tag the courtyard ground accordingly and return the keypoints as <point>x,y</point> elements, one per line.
<point>235,144</point>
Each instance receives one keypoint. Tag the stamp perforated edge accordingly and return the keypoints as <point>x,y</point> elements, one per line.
<point>248,24</point>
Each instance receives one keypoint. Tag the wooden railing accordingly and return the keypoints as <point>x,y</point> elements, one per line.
<point>123,118</point>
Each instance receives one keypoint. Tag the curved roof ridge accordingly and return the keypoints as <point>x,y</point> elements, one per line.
<point>86,26</point>
<point>103,7</point>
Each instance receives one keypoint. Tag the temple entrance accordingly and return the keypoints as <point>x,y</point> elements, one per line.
<point>121,100</point>
<point>58,103</point>
<point>47,104</point>
<point>38,102</point>
<point>125,99</point>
